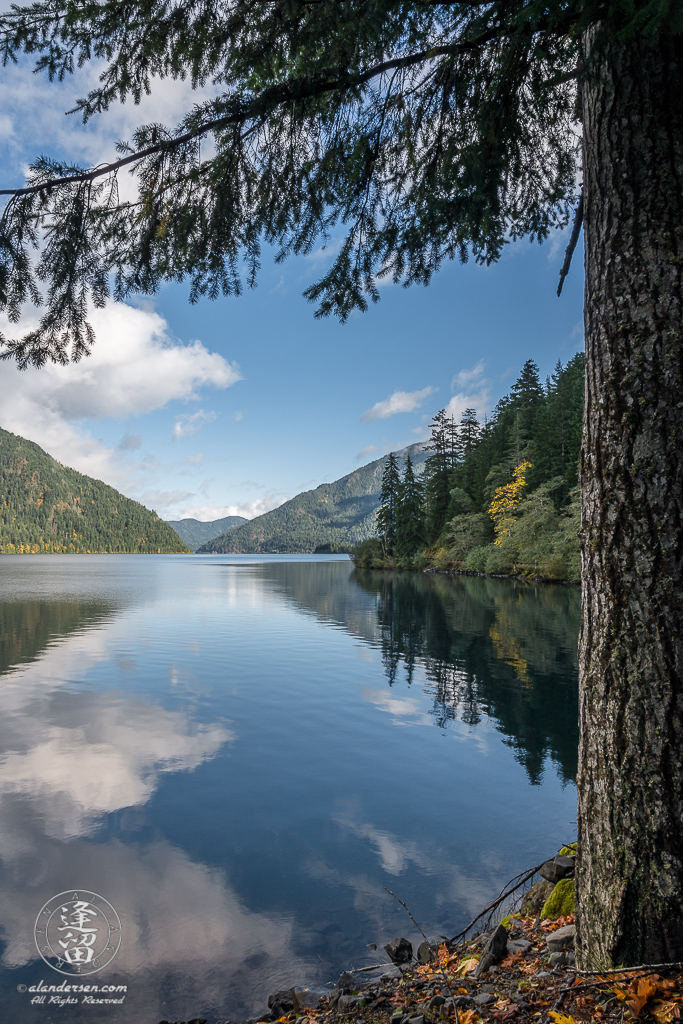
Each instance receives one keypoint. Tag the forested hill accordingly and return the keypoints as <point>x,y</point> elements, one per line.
<point>47,508</point>
<point>341,513</point>
<point>195,533</point>
<point>500,497</point>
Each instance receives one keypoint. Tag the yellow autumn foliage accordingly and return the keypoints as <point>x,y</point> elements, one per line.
<point>505,501</point>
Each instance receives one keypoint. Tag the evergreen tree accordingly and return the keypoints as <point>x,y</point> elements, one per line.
<point>410,526</point>
<point>438,470</point>
<point>558,426</point>
<point>470,431</point>
<point>388,505</point>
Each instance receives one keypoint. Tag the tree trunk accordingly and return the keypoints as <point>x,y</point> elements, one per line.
<point>630,785</point>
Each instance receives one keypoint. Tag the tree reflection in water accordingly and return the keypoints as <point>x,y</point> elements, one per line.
<point>503,649</point>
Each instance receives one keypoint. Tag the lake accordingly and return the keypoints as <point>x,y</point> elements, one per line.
<point>239,753</point>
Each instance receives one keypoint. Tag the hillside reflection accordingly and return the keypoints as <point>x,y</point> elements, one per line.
<point>490,647</point>
<point>28,627</point>
<point>494,648</point>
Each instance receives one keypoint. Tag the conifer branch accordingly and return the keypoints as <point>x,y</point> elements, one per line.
<point>576,230</point>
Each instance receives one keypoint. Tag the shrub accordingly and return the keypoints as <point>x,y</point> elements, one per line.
<point>476,559</point>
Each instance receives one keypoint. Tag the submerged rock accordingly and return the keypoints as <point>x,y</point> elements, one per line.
<point>399,950</point>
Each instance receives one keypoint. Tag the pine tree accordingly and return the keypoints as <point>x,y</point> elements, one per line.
<point>388,506</point>
<point>410,526</point>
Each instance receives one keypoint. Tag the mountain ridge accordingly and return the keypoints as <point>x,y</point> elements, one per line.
<point>195,532</point>
<point>47,508</point>
<point>340,513</point>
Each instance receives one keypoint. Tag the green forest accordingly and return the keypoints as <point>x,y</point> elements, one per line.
<point>499,497</point>
<point>46,508</point>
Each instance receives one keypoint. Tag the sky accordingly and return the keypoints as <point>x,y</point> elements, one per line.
<point>231,407</point>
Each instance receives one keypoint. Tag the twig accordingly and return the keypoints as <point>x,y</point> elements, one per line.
<point>516,883</point>
<point>373,967</point>
<point>627,970</point>
<point>576,230</point>
<point>441,970</point>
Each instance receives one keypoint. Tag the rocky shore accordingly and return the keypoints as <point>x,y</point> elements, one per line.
<point>521,970</point>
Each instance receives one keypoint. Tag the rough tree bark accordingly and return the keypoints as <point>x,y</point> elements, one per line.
<point>630,865</point>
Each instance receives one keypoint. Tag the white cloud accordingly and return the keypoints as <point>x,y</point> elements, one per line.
<point>135,368</point>
<point>474,392</point>
<point>366,452</point>
<point>249,509</point>
<point>400,401</point>
<point>465,377</point>
<point>189,425</point>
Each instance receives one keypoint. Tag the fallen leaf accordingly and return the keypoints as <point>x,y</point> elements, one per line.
<point>468,1017</point>
<point>560,1018</point>
<point>665,1013</point>
<point>640,991</point>
<point>512,959</point>
<point>467,966</point>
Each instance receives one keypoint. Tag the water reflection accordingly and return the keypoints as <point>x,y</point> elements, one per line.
<point>499,649</point>
<point>241,756</point>
<point>503,649</point>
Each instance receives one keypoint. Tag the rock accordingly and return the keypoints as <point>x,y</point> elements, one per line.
<point>558,868</point>
<point>391,974</point>
<point>561,901</point>
<point>283,998</point>
<point>463,1001</point>
<point>563,938</point>
<point>533,900</point>
<point>346,982</point>
<point>487,988</point>
<point>346,1001</point>
<point>484,999</point>
<point>415,1018</point>
<point>493,952</point>
<point>427,950</point>
<point>560,959</point>
<point>399,950</point>
<point>303,998</point>
<point>396,1018</point>
<point>436,1001</point>
<point>514,945</point>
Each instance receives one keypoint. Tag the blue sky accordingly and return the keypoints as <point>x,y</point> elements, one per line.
<point>231,407</point>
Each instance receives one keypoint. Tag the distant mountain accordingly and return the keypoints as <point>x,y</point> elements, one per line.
<point>195,533</point>
<point>341,513</point>
<point>45,507</point>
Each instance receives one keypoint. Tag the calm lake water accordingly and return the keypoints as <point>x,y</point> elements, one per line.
<point>240,752</point>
